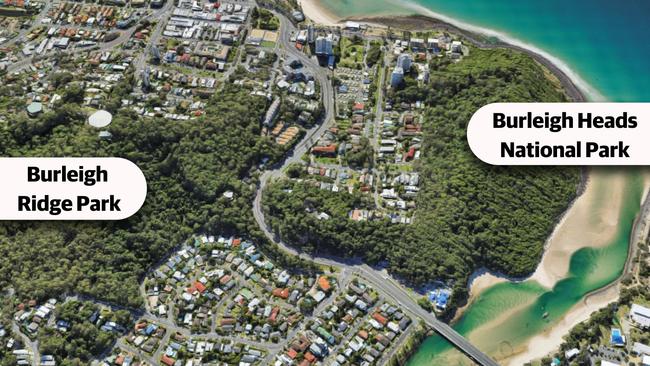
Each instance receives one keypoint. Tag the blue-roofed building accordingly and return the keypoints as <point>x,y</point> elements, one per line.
<point>443,297</point>
<point>63,325</point>
<point>617,338</point>
<point>150,329</point>
<point>432,296</point>
<point>439,298</point>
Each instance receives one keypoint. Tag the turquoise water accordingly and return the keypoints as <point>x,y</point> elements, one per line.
<point>605,42</point>
<point>531,308</point>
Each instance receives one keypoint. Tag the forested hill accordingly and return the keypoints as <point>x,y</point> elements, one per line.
<point>469,214</point>
<point>188,166</point>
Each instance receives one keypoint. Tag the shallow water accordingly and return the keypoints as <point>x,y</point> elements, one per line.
<point>507,314</point>
<point>605,43</point>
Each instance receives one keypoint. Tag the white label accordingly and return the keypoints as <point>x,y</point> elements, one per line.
<point>561,134</point>
<point>70,189</point>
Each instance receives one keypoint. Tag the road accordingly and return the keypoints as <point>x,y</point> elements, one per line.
<point>32,345</point>
<point>389,287</point>
<point>124,35</point>
<point>380,281</point>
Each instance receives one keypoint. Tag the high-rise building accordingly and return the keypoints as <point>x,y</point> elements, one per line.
<point>397,77</point>
<point>311,34</point>
<point>404,61</point>
<point>324,46</point>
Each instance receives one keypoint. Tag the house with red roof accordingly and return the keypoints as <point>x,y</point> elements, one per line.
<point>328,150</point>
<point>199,287</point>
<point>274,314</point>
<point>224,280</point>
<point>282,293</point>
<point>310,357</point>
<point>410,154</point>
<point>167,360</point>
<point>324,283</point>
<point>363,334</point>
<point>380,319</point>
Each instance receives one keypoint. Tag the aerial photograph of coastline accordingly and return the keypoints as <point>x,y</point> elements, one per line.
<point>311,198</point>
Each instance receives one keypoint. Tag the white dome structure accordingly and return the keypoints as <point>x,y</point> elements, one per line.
<point>100,119</point>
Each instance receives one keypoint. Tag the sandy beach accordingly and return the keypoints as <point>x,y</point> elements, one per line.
<point>317,14</point>
<point>598,208</point>
<point>569,235</point>
<point>545,343</point>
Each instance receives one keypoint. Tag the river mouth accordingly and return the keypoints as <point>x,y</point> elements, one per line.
<point>511,321</point>
<point>514,313</point>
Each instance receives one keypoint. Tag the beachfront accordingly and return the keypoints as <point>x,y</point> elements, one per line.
<point>585,224</point>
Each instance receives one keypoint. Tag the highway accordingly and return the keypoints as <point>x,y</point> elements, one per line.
<point>379,280</point>
<point>382,282</point>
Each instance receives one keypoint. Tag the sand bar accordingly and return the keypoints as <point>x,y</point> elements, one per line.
<point>592,221</point>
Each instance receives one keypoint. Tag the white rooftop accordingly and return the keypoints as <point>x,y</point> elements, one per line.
<point>100,119</point>
<point>640,314</point>
<point>607,363</point>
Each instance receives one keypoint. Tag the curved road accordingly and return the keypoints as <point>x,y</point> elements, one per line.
<point>379,280</point>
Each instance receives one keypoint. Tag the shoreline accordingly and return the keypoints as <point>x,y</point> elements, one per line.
<point>595,299</point>
<point>556,252</point>
<point>317,13</point>
<point>483,278</point>
<point>546,275</point>
<point>422,18</point>
<point>574,87</point>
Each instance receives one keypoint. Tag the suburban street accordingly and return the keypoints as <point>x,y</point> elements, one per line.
<point>381,281</point>
<point>388,287</point>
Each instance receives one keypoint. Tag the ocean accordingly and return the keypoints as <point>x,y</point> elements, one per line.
<point>604,42</point>
<point>604,45</point>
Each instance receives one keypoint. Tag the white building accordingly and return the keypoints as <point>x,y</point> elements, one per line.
<point>640,315</point>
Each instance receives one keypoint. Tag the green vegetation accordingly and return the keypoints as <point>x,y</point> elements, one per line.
<point>264,19</point>
<point>289,204</point>
<point>188,166</point>
<point>351,52</point>
<point>84,340</point>
<point>286,7</point>
<point>374,53</point>
<point>6,312</point>
<point>469,215</point>
<point>409,346</point>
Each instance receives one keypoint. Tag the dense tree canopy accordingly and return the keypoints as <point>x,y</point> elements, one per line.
<point>469,214</point>
<point>188,166</point>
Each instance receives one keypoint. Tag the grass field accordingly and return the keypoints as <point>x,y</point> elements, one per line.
<point>351,54</point>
